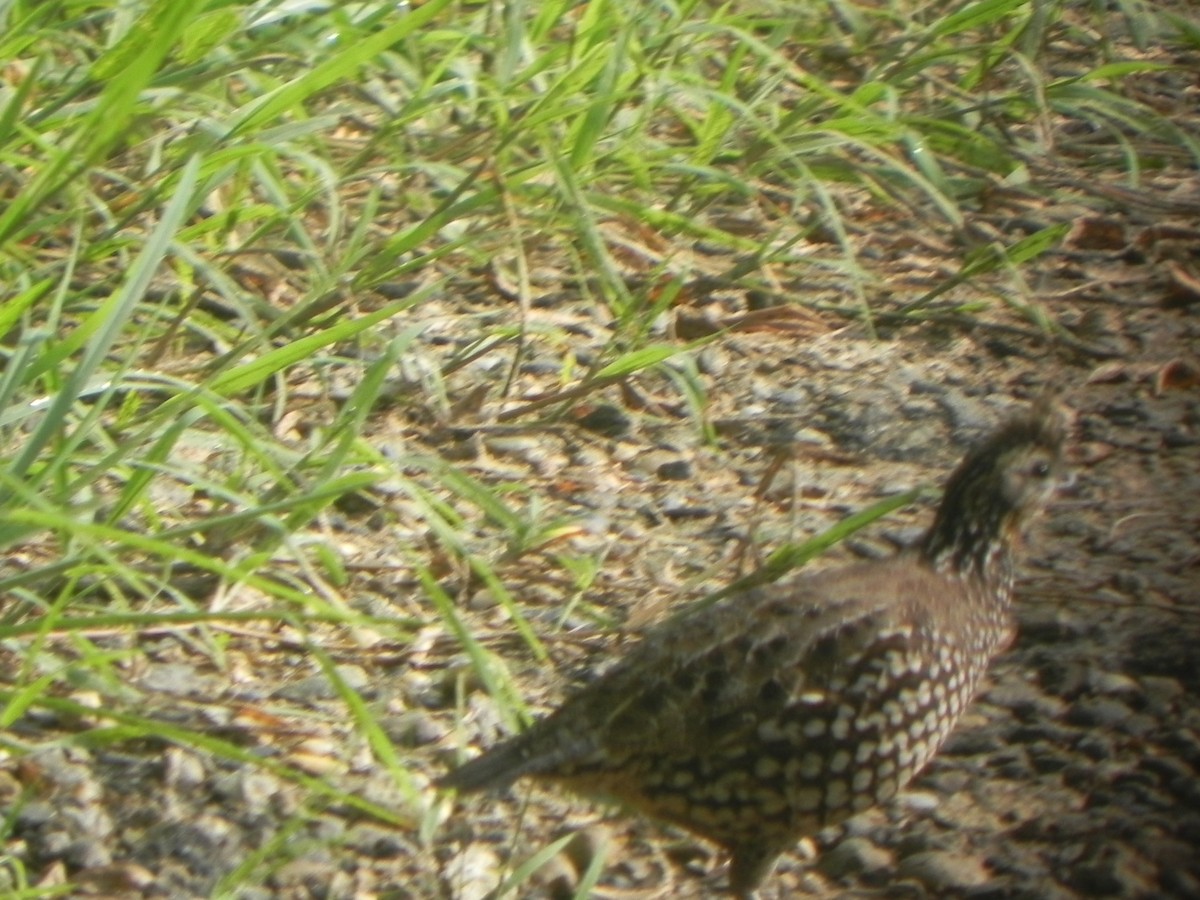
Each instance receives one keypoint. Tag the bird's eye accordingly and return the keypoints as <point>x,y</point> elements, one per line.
<point>1041,468</point>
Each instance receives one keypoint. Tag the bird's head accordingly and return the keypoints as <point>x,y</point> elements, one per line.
<point>1000,486</point>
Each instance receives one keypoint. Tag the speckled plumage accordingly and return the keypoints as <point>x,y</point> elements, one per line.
<point>784,709</point>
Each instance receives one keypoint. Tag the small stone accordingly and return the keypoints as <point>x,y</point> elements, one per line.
<point>257,790</point>
<point>482,600</point>
<point>854,856</point>
<point>921,802</point>
<point>1112,683</point>
<point>319,687</point>
<point>1047,759</point>
<point>943,871</point>
<point>1063,678</point>
<point>1048,626</point>
<point>972,742</point>
<point>55,843</point>
<point>542,455</point>
<point>88,854</point>
<point>91,819</point>
<point>1138,725</point>
<point>1095,746</point>
<point>712,360</point>
<point>474,872</point>
<point>311,877</point>
<point>1109,877</point>
<point>183,770</point>
<point>316,763</point>
<point>375,841</point>
<point>122,879</point>
<point>355,678</point>
<point>1039,732</point>
<point>1097,712</point>
<point>1168,768</point>
<point>179,679</point>
<point>414,729</point>
<point>34,815</point>
<point>604,419</point>
<point>1011,763</point>
<point>1026,700</point>
<point>949,781</point>
<point>1185,742</point>
<point>1078,775</point>
<point>1162,693</point>
<point>675,470</point>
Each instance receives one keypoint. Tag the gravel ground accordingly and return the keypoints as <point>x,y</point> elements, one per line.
<point>1076,774</point>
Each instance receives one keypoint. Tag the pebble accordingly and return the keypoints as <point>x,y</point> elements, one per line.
<point>257,790</point>
<point>310,877</point>
<point>473,871</point>
<point>1169,768</point>
<point>414,728</point>
<point>1025,700</point>
<point>1116,873</point>
<point>853,856</point>
<point>1102,682</point>
<point>1099,712</point>
<point>972,742</point>
<point>944,871</point>
<point>1138,725</point>
<point>184,770</point>
<point>1044,732</point>
<point>1185,742</point>
<point>675,470</point>
<point>319,687</point>
<point>181,679</point>
<point>1162,693</point>
<point>87,853</point>
<point>920,802</point>
<point>1047,759</point>
<point>949,781</point>
<point>1095,746</point>
<point>34,814</point>
<point>376,841</point>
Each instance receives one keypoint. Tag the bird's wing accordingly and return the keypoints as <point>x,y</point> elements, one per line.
<point>696,685</point>
<point>701,683</point>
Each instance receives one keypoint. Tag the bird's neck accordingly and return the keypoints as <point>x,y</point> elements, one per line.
<point>979,546</point>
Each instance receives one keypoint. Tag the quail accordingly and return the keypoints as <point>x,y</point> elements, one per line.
<point>784,709</point>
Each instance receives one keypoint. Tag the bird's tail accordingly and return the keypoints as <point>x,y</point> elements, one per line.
<point>495,769</point>
<point>526,754</point>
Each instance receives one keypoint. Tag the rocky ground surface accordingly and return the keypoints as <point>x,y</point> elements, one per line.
<point>1075,774</point>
